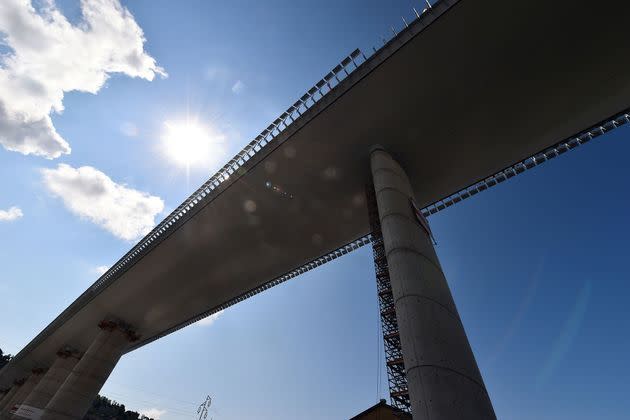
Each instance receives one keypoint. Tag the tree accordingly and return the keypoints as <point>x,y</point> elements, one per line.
<point>105,409</point>
<point>4,359</point>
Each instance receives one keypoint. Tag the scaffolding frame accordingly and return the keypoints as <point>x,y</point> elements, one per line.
<point>396,375</point>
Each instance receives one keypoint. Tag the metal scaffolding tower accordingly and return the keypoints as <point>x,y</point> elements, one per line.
<point>396,375</point>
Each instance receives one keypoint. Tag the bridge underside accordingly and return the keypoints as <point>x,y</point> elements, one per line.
<point>487,84</point>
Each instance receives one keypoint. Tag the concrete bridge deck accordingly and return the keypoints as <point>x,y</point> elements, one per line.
<point>470,88</point>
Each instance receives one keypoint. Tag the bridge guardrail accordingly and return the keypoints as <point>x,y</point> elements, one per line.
<point>238,166</point>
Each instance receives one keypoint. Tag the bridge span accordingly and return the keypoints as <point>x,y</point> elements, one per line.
<point>471,93</point>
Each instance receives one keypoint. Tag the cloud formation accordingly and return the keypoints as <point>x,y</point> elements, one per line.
<point>48,56</point>
<point>154,413</point>
<point>210,319</point>
<point>11,215</point>
<point>89,193</point>
<point>101,269</point>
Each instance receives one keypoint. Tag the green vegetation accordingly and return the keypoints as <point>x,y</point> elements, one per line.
<point>104,408</point>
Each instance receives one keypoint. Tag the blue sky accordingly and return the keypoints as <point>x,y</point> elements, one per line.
<point>537,265</point>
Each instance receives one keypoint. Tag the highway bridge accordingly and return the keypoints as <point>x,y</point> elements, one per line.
<point>465,96</point>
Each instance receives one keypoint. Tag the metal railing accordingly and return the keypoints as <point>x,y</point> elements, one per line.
<point>356,60</point>
<point>232,170</point>
<point>531,162</point>
<point>302,111</point>
<point>352,246</point>
<point>204,194</point>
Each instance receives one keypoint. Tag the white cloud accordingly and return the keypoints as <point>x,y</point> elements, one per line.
<point>210,319</point>
<point>154,413</point>
<point>48,56</point>
<point>238,87</point>
<point>101,269</point>
<point>10,215</point>
<point>92,195</point>
<point>129,129</point>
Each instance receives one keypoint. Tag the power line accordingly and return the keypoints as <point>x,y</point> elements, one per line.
<point>153,393</point>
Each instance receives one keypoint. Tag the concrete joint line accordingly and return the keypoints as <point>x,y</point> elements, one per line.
<point>414,251</point>
<point>395,213</point>
<point>463,375</point>
<point>388,170</point>
<point>441,305</point>
<point>392,189</point>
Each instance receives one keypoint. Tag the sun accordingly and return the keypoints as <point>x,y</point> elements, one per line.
<point>189,143</point>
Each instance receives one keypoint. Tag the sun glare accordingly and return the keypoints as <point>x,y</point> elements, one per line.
<point>191,144</point>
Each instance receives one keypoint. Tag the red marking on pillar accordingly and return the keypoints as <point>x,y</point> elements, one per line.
<point>66,352</point>
<point>422,220</point>
<point>110,325</point>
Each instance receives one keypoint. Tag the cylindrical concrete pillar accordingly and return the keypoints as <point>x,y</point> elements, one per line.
<point>3,394</point>
<point>50,383</point>
<point>23,392</point>
<point>78,391</point>
<point>9,396</point>
<point>442,375</point>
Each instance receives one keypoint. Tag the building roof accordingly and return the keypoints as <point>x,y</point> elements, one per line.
<point>382,411</point>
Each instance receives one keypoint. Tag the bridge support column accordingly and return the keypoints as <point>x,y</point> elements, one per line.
<point>9,395</point>
<point>5,395</point>
<point>74,397</point>
<point>22,392</point>
<point>442,375</point>
<point>50,383</point>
